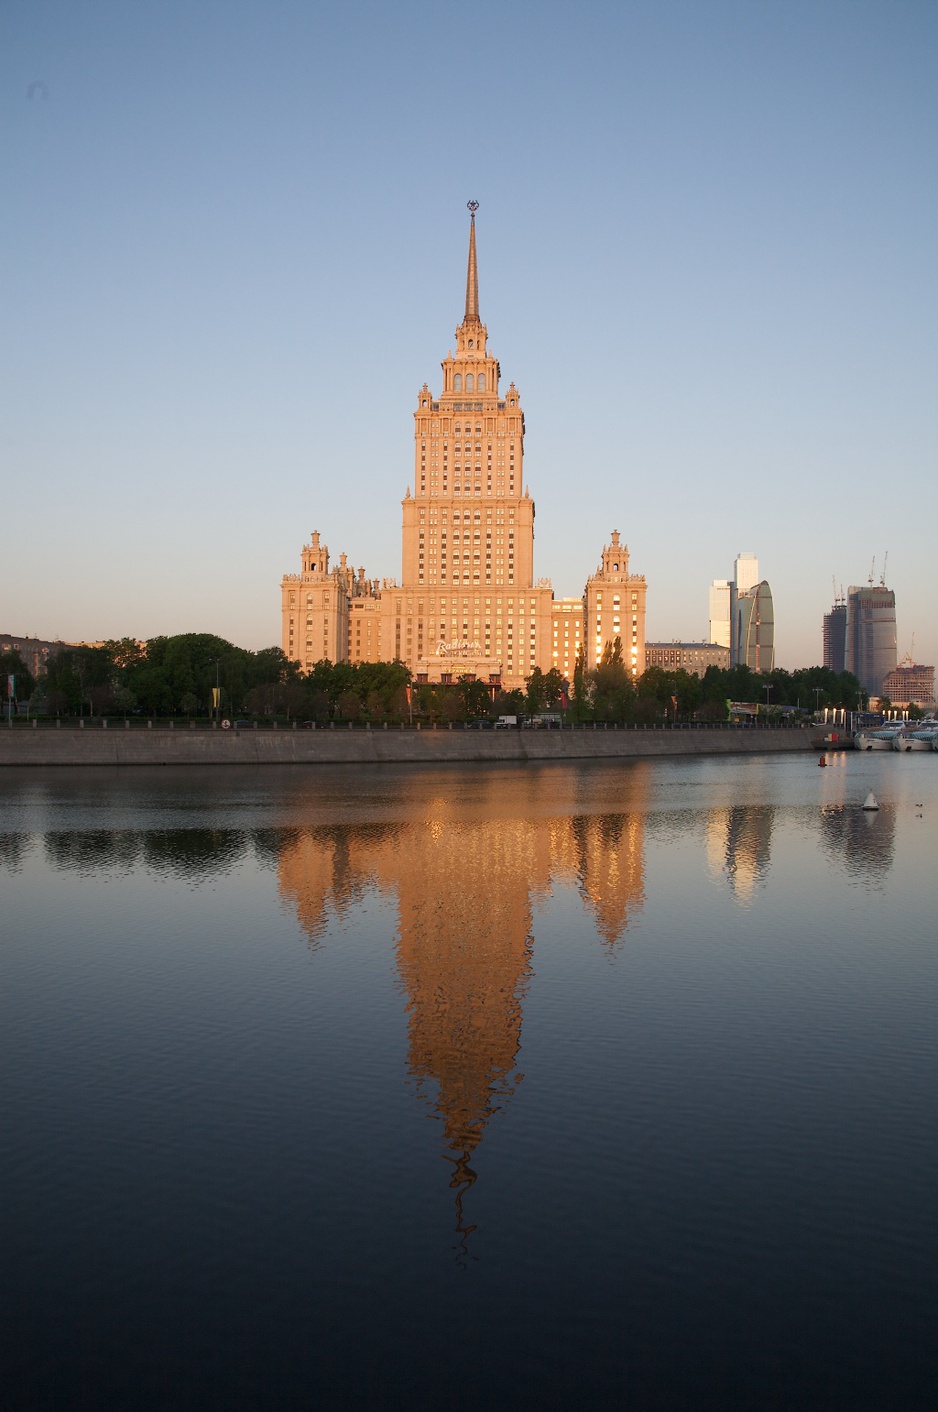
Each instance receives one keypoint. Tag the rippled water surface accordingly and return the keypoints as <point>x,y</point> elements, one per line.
<point>576,1086</point>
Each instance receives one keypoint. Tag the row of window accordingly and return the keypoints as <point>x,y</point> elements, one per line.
<point>475,515</point>
<point>467,433</point>
<point>473,383</point>
<point>454,578</point>
<point>465,488</point>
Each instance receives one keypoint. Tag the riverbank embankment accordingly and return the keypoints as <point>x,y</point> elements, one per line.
<point>159,745</point>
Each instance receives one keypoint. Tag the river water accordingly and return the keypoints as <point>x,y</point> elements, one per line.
<point>401,1087</point>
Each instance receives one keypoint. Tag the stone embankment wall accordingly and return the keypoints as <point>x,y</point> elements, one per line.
<point>114,745</point>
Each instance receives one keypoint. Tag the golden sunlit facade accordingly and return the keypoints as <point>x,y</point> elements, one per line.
<point>468,602</point>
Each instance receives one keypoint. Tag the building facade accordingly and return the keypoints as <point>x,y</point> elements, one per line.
<point>721,612</point>
<point>834,635</point>
<point>870,635</point>
<point>34,651</point>
<point>910,684</point>
<point>752,616</point>
<point>754,628</point>
<point>745,572</point>
<point>468,603</point>
<point>693,657</point>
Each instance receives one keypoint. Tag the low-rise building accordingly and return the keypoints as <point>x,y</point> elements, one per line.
<point>33,650</point>
<point>693,657</point>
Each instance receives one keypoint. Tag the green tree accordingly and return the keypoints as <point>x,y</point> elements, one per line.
<point>509,703</point>
<point>581,702</point>
<point>475,699</point>
<point>544,690</point>
<point>453,704</point>
<point>77,677</point>
<point>12,664</point>
<point>612,691</point>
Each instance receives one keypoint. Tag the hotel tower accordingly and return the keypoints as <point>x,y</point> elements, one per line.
<point>468,603</point>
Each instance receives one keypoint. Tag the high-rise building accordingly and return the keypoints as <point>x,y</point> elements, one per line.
<point>468,603</point>
<point>752,616</point>
<point>746,572</point>
<point>754,628</point>
<point>870,635</point>
<point>835,637</point>
<point>721,612</point>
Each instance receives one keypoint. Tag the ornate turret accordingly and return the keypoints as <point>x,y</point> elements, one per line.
<point>615,565</point>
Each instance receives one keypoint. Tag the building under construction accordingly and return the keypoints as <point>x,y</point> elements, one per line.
<point>910,684</point>
<point>870,635</point>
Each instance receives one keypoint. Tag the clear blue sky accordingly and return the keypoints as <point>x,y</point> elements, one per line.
<point>233,247</point>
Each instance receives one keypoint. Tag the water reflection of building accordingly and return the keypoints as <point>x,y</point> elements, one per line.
<point>464,878</point>
<point>609,864</point>
<point>739,844</point>
<point>860,842</point>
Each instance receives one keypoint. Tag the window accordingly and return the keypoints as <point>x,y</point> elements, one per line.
<point>457,383</point>
<point>470,383</point>
<point>482,382</point>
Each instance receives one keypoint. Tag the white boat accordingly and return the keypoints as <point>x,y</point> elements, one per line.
<point>870,803</point>
<point>924,738</point>
<point>882,738</point>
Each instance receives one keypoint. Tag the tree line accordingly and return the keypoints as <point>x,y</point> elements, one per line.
<point>178,676</point>
<point>608,692</point>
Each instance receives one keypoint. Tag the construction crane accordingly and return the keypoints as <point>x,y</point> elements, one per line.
<point>882,581</point>
<point>872,572</point>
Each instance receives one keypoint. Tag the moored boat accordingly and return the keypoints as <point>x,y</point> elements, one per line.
<point>923,738</point>
<point>880,738</point>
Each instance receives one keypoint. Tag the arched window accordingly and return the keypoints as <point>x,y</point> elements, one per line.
<point>482,382</point>
<point>470,383</point>
<point>457,383</point>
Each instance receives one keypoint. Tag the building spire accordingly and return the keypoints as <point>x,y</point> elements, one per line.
<point>472,274</point>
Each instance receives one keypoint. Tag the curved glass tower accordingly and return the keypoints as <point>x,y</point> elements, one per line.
<point>755,628</point>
